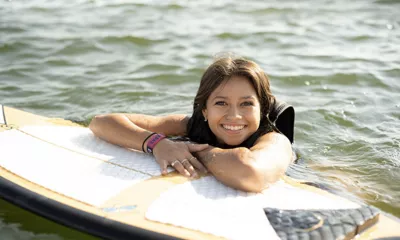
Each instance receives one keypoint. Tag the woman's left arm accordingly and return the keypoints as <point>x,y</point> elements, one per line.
<point>251,169</point>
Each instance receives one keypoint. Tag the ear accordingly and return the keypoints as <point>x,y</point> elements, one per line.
<point>204,111</point>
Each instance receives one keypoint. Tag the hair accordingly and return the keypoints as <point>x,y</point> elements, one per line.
<point>219,71</point>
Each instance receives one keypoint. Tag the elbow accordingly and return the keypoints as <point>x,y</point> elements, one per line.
<point>264,179</point>
<point>93,125</point>
<point>259,180</point>
<point>254,181</point>
<point>97,123</point>
<point>248,179</point>
<point>257,177</point>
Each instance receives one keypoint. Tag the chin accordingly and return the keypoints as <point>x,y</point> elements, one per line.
<point>233,143</point>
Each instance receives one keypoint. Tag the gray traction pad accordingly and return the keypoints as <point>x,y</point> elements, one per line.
<point>336,224</point>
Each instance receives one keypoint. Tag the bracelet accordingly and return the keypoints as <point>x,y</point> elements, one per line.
<point>151,134</point>
<point>153,142</point>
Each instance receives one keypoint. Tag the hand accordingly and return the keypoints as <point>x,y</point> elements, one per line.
<point>179,155</point>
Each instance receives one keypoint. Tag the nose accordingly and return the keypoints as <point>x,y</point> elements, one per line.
<point>233,113</point>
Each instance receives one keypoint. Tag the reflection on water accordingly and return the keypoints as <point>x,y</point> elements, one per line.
<point>18,224</point>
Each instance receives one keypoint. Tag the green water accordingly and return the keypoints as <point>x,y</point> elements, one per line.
<point>337,62</point>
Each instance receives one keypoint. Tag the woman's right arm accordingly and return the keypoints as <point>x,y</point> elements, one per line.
<point>131,130</point>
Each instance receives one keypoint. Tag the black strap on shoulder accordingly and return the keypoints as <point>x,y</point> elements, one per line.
<point>282,115</point>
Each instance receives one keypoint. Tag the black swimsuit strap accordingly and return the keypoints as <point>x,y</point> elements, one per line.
<point>282,116</point>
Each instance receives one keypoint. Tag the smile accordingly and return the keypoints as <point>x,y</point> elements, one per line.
<point>233,127</point>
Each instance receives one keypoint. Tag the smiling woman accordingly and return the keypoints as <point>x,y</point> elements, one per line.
<point>230,131</point>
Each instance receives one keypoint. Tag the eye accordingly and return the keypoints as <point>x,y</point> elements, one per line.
<point>220,103</point>
<point>248,103</point>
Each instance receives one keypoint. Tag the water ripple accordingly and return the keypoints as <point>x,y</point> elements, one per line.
<point>136,40</point>
<point>78,47</point>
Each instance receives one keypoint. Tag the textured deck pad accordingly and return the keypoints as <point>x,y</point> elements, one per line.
<point>83,178</point>
<point>82,140</point>
<point>207,205</point>
<point>320,224</point>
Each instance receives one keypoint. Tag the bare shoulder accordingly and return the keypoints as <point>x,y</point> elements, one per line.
<point>173,124</point>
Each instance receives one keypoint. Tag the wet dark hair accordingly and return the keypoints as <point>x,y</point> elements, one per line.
<point>223,69</point>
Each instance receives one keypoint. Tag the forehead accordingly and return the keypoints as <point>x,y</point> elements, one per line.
<point>234,86</point>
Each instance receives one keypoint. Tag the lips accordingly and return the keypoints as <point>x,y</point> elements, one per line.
<point>233,127</point>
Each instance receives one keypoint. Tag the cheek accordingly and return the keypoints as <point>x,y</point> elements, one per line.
<point>255,118</point>
<point>252,112</point>
<point>214,113</point>
<point>213,119</point>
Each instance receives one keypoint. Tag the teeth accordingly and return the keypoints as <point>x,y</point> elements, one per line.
<point>234,128</point>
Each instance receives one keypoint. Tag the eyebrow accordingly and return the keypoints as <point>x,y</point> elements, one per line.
<point>245,97</point>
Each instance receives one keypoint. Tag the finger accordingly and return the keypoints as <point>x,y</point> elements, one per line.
<point>179,167</point>
<point>197,164</point>
<point>186,163</point>
<point>164,165</point>
<point>197,147</point>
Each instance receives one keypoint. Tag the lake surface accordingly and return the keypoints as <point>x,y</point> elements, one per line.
<point>337,62</point>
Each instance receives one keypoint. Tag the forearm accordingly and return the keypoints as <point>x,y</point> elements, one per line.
<point>242,169</point>
<point>118,129</point>
<point>232,167</point>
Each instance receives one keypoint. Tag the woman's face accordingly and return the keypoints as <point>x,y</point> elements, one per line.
<point>233,111</point>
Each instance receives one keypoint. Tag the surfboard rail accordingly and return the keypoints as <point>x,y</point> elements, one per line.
<point>75,218</point>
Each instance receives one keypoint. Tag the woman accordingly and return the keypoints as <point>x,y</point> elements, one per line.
<point>237,131</point>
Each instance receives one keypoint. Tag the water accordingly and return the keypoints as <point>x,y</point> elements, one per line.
<point>337,62</point>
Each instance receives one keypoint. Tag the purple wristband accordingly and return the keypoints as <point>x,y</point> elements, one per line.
<point>153,142</point>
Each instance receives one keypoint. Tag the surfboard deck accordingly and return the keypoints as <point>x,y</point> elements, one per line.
<point>137,207</point>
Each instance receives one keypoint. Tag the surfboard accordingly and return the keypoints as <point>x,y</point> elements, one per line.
<point>58,169</point>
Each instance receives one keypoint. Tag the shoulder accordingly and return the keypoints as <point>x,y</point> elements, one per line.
<point>283,115</point>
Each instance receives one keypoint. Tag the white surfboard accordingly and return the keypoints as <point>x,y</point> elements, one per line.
<point>112,192</point>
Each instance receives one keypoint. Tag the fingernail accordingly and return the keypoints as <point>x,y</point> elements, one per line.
<point>187,174</point>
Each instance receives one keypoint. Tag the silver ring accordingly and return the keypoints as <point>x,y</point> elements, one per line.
<point>174,162</point>
<point>184,160</point>
<point>192,158</point>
